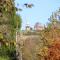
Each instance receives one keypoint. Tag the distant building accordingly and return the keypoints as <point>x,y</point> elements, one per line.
<point>28,28</point>
<point>38,27</point>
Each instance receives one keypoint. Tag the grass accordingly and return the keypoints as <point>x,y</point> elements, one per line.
<point>4,58</point>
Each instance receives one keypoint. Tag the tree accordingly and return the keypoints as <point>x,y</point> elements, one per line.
<point>54,51</point>
<point>9,17</point>
<point>28,5</point>
<point>8,24</point>
<point>54,20</point>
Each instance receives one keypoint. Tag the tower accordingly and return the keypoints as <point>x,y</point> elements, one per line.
<point>27,25</point>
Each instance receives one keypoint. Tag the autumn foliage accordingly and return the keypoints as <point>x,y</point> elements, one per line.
<point>54,47</point>
<point>54,51</point>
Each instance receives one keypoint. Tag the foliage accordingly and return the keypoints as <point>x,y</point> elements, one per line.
<point>53,35</point>
<point>8,51</point>
<point>28,5</point>
<point>54,51</point>
<point>9,16</point>
<point>9,22</point>
<point>16,21</point>
<point>4,58</point>
<point>1,36</point>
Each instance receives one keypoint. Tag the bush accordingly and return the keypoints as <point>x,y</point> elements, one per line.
<point>8,51</point>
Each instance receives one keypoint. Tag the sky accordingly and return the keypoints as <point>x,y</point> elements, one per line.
<point>41,11</point>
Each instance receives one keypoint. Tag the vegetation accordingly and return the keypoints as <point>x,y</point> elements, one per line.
<point>40,45</point>
<point>9,22</point>
<point>51,36</point>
